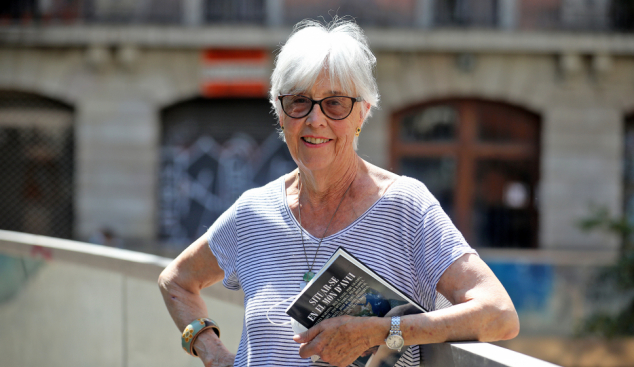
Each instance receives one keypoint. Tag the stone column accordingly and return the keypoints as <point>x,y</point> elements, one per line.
<point>581,166</point>
<point>117,155</point>
<point>508,14</point>
<point>193,13</point>
<point>274,13</point>
<point>424,16</point>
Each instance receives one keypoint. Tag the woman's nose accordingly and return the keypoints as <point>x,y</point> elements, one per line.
<point>316,115</point>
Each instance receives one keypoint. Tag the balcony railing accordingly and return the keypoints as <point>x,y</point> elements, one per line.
<point>568,15</point>
<point>96,305</point>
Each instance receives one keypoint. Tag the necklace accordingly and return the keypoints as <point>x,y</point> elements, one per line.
<point>309,274</point>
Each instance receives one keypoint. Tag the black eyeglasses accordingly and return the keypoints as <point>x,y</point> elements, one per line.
<point>335,107</point>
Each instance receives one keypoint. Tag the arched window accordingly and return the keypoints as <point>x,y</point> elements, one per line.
<point>481,161</point>
<point>212,150</point>
<point>36,165</point>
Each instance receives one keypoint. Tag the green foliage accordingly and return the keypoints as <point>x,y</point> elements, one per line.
<point>619,276</point>
<point>609,326</point>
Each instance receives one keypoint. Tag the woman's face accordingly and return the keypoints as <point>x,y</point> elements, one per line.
<point>317,142</point>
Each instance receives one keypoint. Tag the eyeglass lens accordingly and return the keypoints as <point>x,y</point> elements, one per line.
<point>333,107</point>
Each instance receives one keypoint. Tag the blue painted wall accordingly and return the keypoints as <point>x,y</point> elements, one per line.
<point>529,285</point>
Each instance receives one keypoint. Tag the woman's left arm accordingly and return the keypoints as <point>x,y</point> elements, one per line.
<point>482,310</point>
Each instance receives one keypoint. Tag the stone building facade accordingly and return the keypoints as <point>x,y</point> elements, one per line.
<point>120,84</point>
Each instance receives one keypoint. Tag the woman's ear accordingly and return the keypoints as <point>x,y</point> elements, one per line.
<point>365,110</point>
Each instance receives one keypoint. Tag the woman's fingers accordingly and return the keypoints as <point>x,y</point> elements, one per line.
<point>309,334</point>
<point>338,341</point>
<point>314,347</point>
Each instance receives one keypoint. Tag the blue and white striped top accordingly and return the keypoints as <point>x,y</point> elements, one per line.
<point>405,237</point>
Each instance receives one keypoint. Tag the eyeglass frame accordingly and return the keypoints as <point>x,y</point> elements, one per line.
<point>317,102</point>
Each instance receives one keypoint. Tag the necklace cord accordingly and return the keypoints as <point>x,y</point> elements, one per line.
<point>301,231</point>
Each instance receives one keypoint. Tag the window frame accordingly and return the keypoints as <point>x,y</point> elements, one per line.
<point>466,150</point>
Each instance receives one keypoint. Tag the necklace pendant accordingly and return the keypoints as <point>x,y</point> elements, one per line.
<point>308,276</point>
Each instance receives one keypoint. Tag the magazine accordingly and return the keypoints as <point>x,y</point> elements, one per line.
<point>345,286</point>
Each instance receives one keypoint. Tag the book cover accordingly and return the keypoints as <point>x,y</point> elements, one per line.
<point>345,286</point>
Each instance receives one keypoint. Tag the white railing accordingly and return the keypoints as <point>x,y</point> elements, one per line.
<point>97,305</point>
<point>474,354</point>
<point>125,262</point>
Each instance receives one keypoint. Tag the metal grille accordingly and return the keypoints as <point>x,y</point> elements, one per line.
<point>36,165</point>
<point>466,13</point>
<point>212,151</point>
<point>132,11</point>
<point>93,11</point>
<point>622,15</point>
<point>238,11</point>
<point>628,169</point>
<point>584,15</point>
<point>376,13</point>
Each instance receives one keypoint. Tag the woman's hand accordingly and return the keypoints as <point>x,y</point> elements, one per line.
<point>212,352</point>
<point>181,283</point>
<point>341,340</point>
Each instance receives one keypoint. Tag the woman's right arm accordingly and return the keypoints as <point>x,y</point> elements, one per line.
<point>181,283</point>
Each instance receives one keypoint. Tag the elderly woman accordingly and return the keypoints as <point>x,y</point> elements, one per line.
<point>277,236</point>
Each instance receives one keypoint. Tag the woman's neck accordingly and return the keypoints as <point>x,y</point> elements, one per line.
<point>327,186</point>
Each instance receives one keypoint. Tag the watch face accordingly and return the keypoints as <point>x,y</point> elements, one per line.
<point>394,341</point>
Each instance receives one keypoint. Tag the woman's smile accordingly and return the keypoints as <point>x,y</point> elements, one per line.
<point>315,142</point>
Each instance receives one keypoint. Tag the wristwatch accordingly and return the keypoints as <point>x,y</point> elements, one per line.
<point>395,339</point>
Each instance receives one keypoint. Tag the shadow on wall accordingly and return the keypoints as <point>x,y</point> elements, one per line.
<point>15,273</point>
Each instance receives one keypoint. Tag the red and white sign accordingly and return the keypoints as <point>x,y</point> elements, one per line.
<point>235,73</point>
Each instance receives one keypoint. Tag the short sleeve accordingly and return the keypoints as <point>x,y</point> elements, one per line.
<point>223,241</point>
<point>438,244</point>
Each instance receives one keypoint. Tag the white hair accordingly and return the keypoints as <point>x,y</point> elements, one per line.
<point>338,47</point>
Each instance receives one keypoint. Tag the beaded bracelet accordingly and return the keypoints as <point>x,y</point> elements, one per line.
<point>194,329</point>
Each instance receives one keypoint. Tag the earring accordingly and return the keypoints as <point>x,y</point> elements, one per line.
<point>282,126</point>
<point>358,132</point>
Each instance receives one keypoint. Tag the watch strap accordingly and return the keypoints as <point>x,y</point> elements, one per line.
<point>395,324</point>
<point>395,332</point>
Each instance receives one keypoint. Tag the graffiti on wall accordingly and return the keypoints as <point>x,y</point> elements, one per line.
<point>201,181</point>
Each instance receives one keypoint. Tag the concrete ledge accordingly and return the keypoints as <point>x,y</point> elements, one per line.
<point>469,354</point>
<point>129,263</point>
<point>396,40</point>
<point>573,257</point>
<point>148,267</point>
<point>579,352</point>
